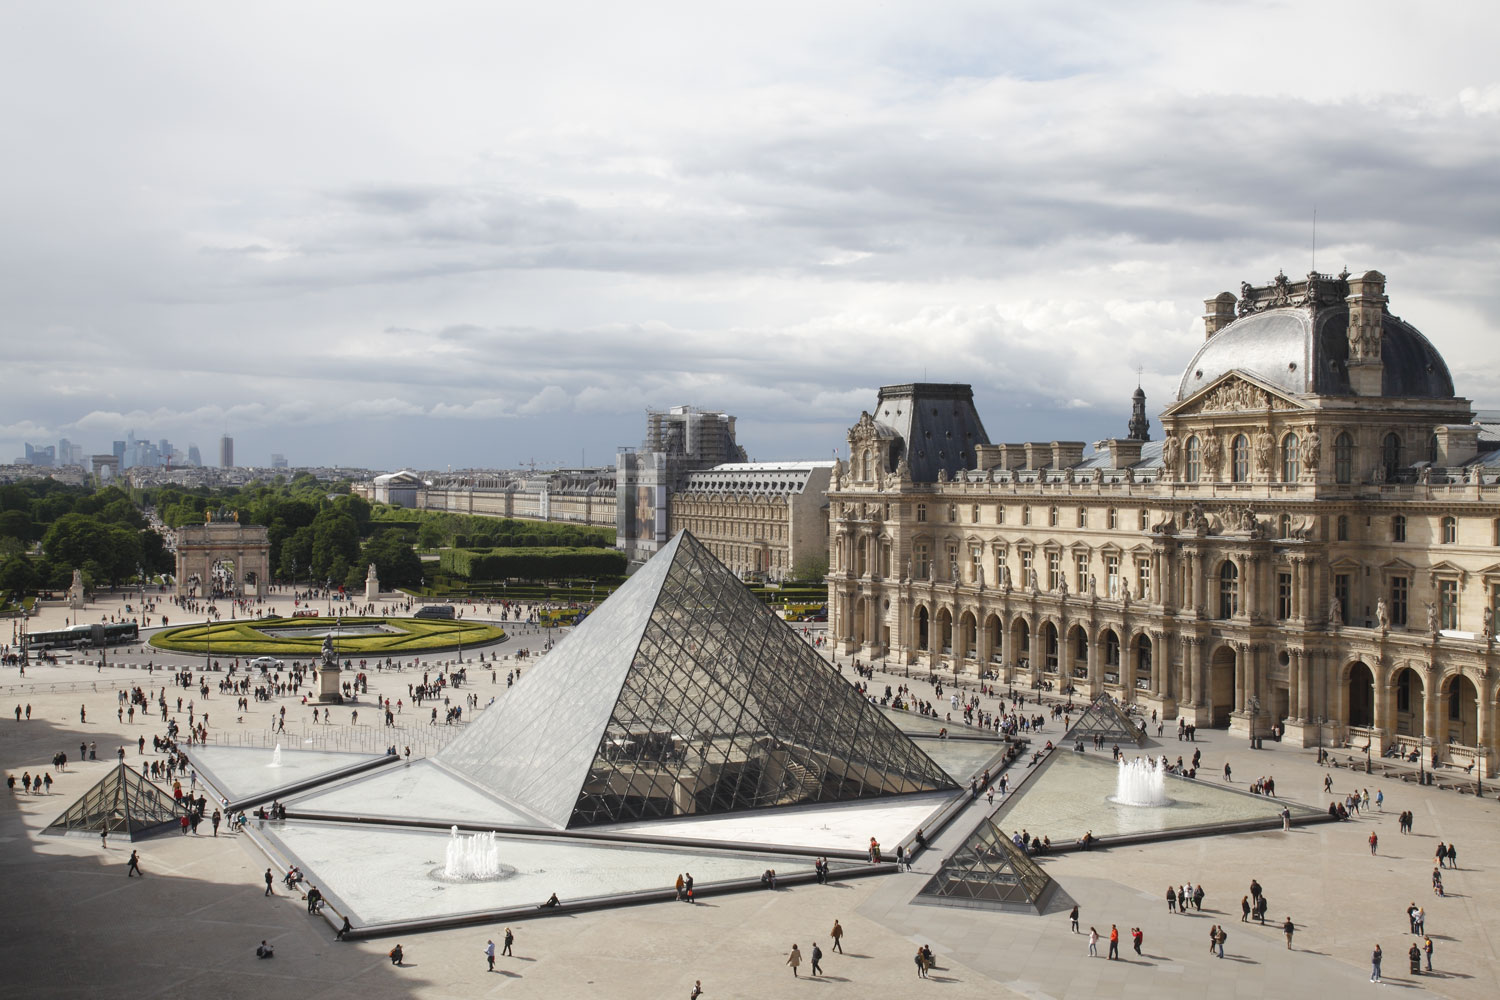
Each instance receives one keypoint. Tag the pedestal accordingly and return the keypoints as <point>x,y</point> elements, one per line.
<point>329,692</point>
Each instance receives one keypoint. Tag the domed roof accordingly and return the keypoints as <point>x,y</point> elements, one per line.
<point>1304,353</point>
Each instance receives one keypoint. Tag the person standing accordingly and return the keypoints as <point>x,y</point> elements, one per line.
<point>1373,841</point>
<point>1375,965</point>
<point>1114,942</point>
<point>794,959</point>
<point>134,867</point>
<point>489,954</point>
<point>510,939</point>
<point>1093,943</point>
<point>921,961</point>
<point>1137,936</point>
<point>1171,899</point>
<point>1227,772</point>
<point>697,990</point>
<point>1244,909</point>
<point>817,957</point>
<point>1222,936</point>
<point>838,937</point>
<point>1427,947</point>
<point>1073,918</point>
<point>1288,928</point>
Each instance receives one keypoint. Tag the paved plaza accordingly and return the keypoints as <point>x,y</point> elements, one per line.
<point>75,926</point>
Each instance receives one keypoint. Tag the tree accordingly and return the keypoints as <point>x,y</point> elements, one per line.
<point>396,563</point>
<point>811,568</point>
<point>19,576</point>
<point>430,535</point>
<point>17,524</point>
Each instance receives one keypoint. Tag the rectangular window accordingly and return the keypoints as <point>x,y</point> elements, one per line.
<point>1400,586</point>
<point>999,514</point>
<point>1112,576</point>
<point>1054,571</point>
<point>1448,604</point>
<point>951,568</point>
<point>1141,519</point>
<point>974,514</point>
<point>1398,528</point>
<point>1341,594</point>
<point>1143,579</point>
<point>1283,596</point>
<point>921,512</point>
<point>1081,571</point>
<point>922,560</point>
<point>976,560</point>
<point>1343,527</point>
<point>1025,568</point>
<point>1083,517</point>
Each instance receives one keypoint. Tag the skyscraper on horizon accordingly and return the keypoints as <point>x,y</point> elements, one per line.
<point>226,452</point>
<point>195,457</point>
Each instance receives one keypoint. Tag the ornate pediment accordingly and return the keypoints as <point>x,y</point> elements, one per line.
<point>1234,392</point>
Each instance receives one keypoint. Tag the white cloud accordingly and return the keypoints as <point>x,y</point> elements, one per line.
<point>488,214</point>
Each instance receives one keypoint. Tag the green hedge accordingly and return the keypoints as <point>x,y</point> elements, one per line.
<point>552,563</point>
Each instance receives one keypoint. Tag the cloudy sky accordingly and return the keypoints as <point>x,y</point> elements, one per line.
<point>474,234</point>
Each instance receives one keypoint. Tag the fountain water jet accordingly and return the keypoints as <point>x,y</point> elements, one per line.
<point>474,857</point>
<point>1141,782</point>
<point>275,757</point>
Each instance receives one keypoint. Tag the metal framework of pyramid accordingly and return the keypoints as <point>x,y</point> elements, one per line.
<point>684,695</point>
<point>1106,718</point>
<point>123,802</point>
<point>991,872</point>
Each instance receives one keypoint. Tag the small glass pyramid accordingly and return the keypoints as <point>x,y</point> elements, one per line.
<point>1106,718</point>
<point>684,695</point>
<point>991,872</point>
<point>123,801</point>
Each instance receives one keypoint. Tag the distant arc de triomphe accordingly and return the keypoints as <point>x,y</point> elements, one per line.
<point>219,540</point>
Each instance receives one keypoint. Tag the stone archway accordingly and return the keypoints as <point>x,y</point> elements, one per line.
<point>201,548</point>
<point>944,621</point>
<point>1050,651</point>
<point>1110,643</point>
<point>968,636</point>
<point>1458,718</point>
<point>994,639</point>
<point>1020,642</point>
<point>860,631</point>
<point>1221,668</point>
<point>1411,703</point>
<point>1359,695</point>
<point>1078,654</point>
<point>924,628</point>
<point>1143,654</point>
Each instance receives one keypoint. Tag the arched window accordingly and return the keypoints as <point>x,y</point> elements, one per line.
<point>1193,467</point>
<point>1229,589</point>
<point>1291,465</point>
<point>1432,449</point>
<point>1343,458</point>
<point>1390,455</point>
<point>869,467</point>
<point>1240,459</point>
<point>1450,531</point>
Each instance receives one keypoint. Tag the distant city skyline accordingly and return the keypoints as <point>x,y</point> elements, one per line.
<point>552,219</point>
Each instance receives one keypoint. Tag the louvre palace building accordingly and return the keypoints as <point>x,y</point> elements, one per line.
<point>1310,549</point>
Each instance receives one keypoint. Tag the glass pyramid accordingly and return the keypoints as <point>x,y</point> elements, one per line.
<point>123,801</point>
<point>989,871</point>
<point>1106,718</point>
<point>684,695</point>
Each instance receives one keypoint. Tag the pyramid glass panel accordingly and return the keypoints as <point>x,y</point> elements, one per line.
<point>691,697</point>
<point>989,871</point>
<point>123,801</point>
<point>1106,718</point>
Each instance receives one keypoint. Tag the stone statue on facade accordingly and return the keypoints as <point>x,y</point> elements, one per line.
<point>1213,455</point>
<point>1335,613</point>
<point>1432,618</point>
<point>1312,449</point>
<point>1031,580</point>
<point>1171,452</point>
<point>1383,614</point>
<point>1093,586</point>
<point>75,592</point>
<point>1265,447</point>
<point>1487,626</point>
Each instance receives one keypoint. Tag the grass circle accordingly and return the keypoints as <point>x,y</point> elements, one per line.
<point>246,637</point>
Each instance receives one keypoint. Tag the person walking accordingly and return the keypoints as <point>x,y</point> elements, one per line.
<point>697,990</point>
<point>838,937</point>
<point>1375,965</point>
<point>1244,909</point>
<point>217,816</point>
<point>489,954</point>
<point>270,880</point>
<point>509,939</point>
<point>134,867</point>
<point>794,959</point>
<point>1073,918</point>
<point>1093,943</point>
<point>1373,841</point>
<point>1227,773</point>
<point>1114,943</point>
<point>817,958</point>
<point>1288,928</point>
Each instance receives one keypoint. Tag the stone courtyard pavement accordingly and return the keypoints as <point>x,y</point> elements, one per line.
<point>73,926</point>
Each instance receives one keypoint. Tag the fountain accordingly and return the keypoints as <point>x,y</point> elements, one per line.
<point>1140,782</point>
<point>275,757</point>
<point>475,857</point>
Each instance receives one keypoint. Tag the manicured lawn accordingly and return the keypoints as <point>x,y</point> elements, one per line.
<point>245,638</point>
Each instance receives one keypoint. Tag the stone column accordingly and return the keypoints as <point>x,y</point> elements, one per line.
<point>1430,700</point>
<point>1482,725</point>
<point>1382,712</point>
<point>1304,685</point>
<point>1241,670</point>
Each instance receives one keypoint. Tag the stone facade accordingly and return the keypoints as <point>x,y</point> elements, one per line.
<point>202,547</point>
<point>1313,547</point>
<point>570,496</point>
<point>759,518</point>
